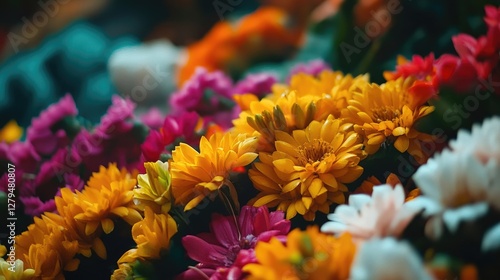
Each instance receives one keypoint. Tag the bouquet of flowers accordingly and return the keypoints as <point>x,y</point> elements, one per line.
<point>289,171</point>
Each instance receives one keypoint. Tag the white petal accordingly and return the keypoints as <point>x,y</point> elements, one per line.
<point>387,259</point>
<point>333,227</point>
<point>491,239</point>
<point>453,217</point>
<point>358,201</point>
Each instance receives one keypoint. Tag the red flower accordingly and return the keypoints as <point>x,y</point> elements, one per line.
<point>423,70</point>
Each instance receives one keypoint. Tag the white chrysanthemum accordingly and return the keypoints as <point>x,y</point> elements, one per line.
<point>454,179</point>
<point>482,142</point>
<point>382,214</point>
<point>380,259</point>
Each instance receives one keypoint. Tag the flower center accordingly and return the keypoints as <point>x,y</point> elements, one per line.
<point>386,114</point>
<point>314,151</point>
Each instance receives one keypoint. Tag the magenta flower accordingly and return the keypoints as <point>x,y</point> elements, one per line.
<point>41,134</point>
<point>259,84</point>
<point>229,247</point>
<point>206,93</point>
<point>153,118</point>
<point>313,67</point>
<point>118,119</point>
<point>38,190</point>
<point>117,138</point>
<point>21,154</point>
<point>176,128</point>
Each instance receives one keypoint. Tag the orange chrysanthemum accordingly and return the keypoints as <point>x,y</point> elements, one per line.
<point>387,113</point>
<point>307,254</point>
<point>262,33</point>
<point>108,195</point>
<point>47,248</point>
<point>196,175</point>
<point>309,168</point>
<point>152,235</point>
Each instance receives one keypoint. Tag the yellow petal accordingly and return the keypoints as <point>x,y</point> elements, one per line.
<point>107,225</point>
<point>99,248</point>
<point>402,144</point>
<point>398,131</point>
<point>266,199</point>
<point>90,227</point>
<point>72,265</point>
<point>284,165</point>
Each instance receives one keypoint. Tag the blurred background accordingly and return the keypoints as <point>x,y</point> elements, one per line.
<point>93,49</point>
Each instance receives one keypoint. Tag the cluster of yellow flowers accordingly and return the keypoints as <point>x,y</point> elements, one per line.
<point>51,243</point>
<point>309,137</point>
<point>314,132</point>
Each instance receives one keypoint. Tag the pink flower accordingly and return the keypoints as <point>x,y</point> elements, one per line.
<point>205,93</point>
<point>153,118</point>
<point>259,84</point>
<point>383,214</point>
<point>492,17</point>
<point>41,134</point>
<point>228,247</point>
<point>182,127</point>
<point>209,94</point>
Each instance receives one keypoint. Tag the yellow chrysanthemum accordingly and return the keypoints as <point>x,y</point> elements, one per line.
<point>15,271</point>
<point>152,235</point>
<point>288,113</point>
<point>154,188</point>
<point>307,254</point>
<point>108,194</point>
<point>294,106</point>
<point>309,168</point>
<point>387,113</point>
<point>47,248</point>
<point>11,132</point>
<point>195,174</point>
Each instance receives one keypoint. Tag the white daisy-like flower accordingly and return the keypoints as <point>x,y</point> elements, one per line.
<point>387,258</point>
<point>382,214</point>
<point>455,179</point>
<point>482,142</point>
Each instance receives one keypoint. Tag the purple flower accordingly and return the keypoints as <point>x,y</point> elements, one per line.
<point>205,93</point>
<point>41,134</point>
<point>259,84</point>
<point>38,191</point>
<point>313,67</point>
<point>229,247</point>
